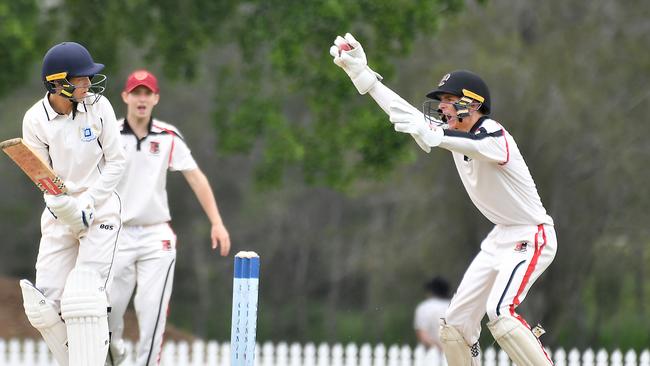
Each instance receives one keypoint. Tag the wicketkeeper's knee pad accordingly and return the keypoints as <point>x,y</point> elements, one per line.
<point>84,308</point>
<point>43,316</point>
<point>456,349</point>
<point>518,342</point>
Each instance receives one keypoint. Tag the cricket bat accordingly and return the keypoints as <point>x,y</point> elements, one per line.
<point>36,169</point>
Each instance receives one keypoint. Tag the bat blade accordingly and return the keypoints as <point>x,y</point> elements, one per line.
<point>36,169</point>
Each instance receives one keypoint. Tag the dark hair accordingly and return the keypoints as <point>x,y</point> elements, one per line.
<point>438,286</point>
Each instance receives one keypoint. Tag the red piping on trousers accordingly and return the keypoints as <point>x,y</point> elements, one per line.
<point>524,282</point>
<point>163,341</point>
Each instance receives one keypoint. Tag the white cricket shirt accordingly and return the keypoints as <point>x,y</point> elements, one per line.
<point>143,187</point>
<point>495,174</point>
<point>83,148</point>
<point>428,314</point>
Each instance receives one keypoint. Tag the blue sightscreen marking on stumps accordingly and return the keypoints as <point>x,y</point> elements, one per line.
<point>255,267</point>
<point>244,318</point>
<point>237,318</point>
<point>246,268</point>
<point>238,267</point>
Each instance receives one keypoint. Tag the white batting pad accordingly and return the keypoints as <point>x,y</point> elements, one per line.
<point>457,351</point>
<point>43,316</point>
<point>84,309</point>
<point>518,342</point>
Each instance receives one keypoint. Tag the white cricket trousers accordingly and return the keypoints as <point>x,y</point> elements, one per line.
<point>60,251</point>
<point>511,259</point>
<point>147,257</point>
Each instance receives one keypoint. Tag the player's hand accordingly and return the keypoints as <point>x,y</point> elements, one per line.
<point>354,62</point>
<point>220,238</point>
<point>86,206</point>
<point>78,212</point>
<point>408,119</point>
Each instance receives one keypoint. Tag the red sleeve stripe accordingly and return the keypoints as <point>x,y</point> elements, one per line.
<point>171,151</point>
<point>505,138</point>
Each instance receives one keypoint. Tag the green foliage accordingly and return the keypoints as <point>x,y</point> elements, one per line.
<point>340,137</point>
<point>20,41</point>
<point>283,51</point>
<point>174,33</point>
<point>285,66</point>
<point>616,302</point>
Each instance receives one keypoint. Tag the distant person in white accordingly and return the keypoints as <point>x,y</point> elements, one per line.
<point>147,253</point>
<point>522,243</point>
<point>429,312</point>
<point>73,128</point>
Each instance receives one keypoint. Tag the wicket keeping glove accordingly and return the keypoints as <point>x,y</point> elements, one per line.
<point>354,63</point>
<point>78,213</point>
<point>408,119</point>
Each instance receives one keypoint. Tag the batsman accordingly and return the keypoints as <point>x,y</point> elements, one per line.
<point>456,117</point>
<point>74,130</point>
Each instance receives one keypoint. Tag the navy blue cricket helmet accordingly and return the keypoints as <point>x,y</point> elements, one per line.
<point>66,60</point>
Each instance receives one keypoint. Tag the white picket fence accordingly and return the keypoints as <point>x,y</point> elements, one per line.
<point>28,352</point>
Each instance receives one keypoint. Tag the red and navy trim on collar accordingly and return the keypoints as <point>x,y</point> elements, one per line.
<point>475,133</point>
<point>152,129</point>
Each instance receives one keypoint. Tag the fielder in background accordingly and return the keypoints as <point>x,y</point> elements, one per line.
<point>74,129</point>
<point>429,312</point>
<point>148,244</point>
<point>522,243</point>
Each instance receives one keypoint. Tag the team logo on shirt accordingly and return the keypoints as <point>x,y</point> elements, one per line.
<point>87,134</point>
<point>154,147</point>
<point>166,245</point>
<point>521,247</point>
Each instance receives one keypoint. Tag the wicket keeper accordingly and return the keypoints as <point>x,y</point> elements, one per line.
<point>522,243</point>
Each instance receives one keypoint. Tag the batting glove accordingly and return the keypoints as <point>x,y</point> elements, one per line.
<point>408,119</point>
<point>78,213</point>
<point>354,63</point>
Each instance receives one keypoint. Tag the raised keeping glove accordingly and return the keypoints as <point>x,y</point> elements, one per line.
<point>354,63</point>
<point>78,212</point>
<point>408,119</point>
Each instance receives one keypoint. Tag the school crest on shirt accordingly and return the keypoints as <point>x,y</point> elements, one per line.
<point>154,147</point>
<point>87,134</point>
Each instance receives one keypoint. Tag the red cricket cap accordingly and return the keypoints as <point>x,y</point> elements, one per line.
<point>141,77</point>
